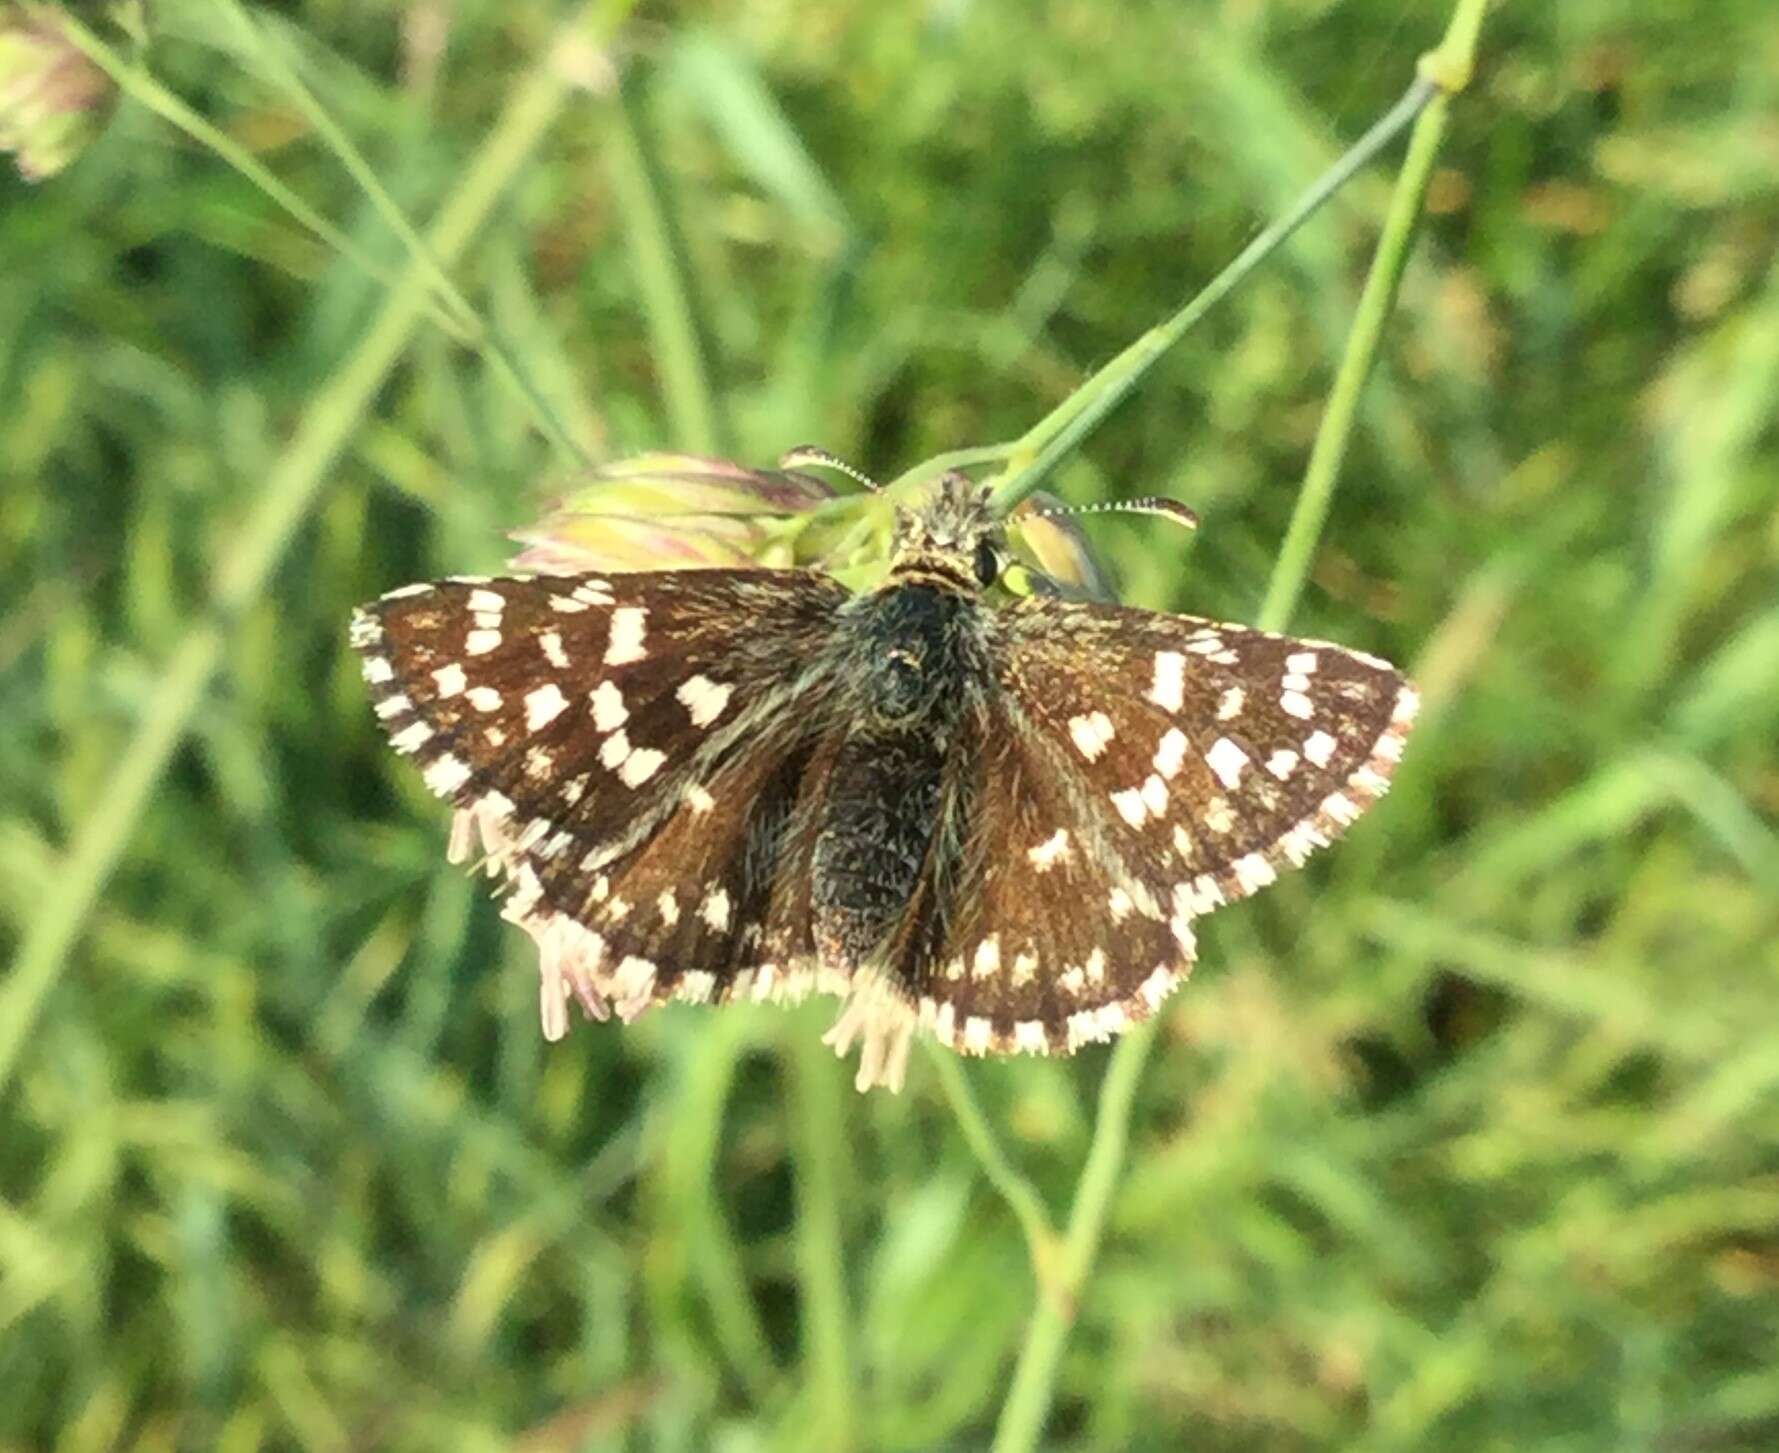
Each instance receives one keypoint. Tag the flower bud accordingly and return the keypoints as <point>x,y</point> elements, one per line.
<point>53,100</point>
<point>679,512</point>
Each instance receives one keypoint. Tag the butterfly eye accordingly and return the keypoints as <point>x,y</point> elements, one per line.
<point>988,562</point>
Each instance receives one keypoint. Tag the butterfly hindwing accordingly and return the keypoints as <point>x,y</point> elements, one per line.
<point>1131,772</point>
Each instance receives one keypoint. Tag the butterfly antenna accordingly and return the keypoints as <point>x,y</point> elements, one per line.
<point>1167,509</point>
<point>814,454</point>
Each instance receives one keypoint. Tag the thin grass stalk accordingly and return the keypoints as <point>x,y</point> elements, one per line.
<point>290,491</point>
<point>818,1125</point>
<point>694,1220</point>
<point>1061,432</point>
<point>1021,1196</point>
<point>141,87</point>
<point>473,328</point>
<point>1029,1399</point>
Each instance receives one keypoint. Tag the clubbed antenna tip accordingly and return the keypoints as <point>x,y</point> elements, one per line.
<point>1168,509</point>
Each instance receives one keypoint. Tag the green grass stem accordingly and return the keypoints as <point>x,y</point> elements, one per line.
<point>1033,1389</point>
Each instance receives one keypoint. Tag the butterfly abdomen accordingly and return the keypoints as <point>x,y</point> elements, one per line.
<point>913,653</point>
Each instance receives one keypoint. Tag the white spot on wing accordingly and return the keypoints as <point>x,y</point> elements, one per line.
<point>1368,780</point>
<point>614,750</point>
<point>1154,794</point>
<point>1169,688</point>
<point>609,711</point>
<point>987,962</point>
<point>1131,806</point>
<point>550,643</point>
<point>450,679</point>
<point>480,643</point>
<point>1295,703</point>
<point>1091,733</point>
<point>1320,748</point>
<point>714,910</point>
<point>412,737</point>
<point>543,706</point>
<point>1050,850</point>
<point>1282,763</point>
<point>703,699</point>
<point>1171,754</point>
<point>484,698</point>
<point>699,800</point>
<point>641,765</point>
<point>627,635</point>
<point>1227,760</point>
<point>1253,872</point>
<point>445,775</point>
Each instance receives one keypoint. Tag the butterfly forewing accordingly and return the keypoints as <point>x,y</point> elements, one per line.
<point>625,748</point>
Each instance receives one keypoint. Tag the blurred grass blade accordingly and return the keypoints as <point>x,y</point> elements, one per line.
<point>746,119</point>
<point>335,411</point>
<point>822,1167</point>
<point>469,323</point>
<point>140,86</point>
<point>664,277</point>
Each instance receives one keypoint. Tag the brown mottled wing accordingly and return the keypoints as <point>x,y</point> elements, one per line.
<point>629,750</point>
<point>1131,772</point>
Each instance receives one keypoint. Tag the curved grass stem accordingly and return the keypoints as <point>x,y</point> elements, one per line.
<point>1020,1194</point>
<point>471,327</point>
<point>443,302</point>
<point>285,500</point>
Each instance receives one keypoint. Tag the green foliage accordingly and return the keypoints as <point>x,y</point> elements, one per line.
<point>1464,1137</point>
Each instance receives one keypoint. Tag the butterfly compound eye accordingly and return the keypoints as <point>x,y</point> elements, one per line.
<point>988,562</point>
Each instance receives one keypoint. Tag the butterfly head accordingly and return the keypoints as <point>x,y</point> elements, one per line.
<point>951,539</point>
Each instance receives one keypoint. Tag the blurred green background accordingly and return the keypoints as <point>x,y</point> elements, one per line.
<point>1465,1137</point>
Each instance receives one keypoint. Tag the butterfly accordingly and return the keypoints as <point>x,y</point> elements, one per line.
<point>994,821</point>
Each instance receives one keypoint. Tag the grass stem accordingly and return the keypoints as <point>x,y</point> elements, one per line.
<point>1029,1399</point>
